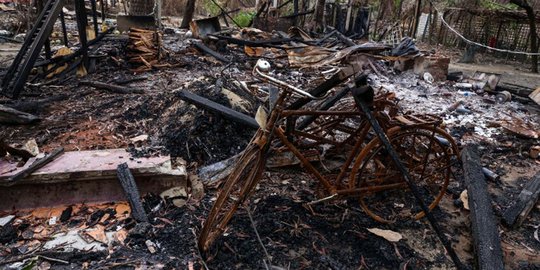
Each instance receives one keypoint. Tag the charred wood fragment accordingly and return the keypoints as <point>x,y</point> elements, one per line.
<point>211,52</point>
<point>113,88</point>
<point>132,192</point>
<point>36,165</point>
<point>485,231</point>
<point>526,200</point>
<point>219,109</point>
<point>6,148</point>
<point>11,116</point>
<point>129,80</point>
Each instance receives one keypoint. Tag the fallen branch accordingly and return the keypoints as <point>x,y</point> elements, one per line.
<point>113,88</point>
<point>35,166</point>
<point>527,198</point>
<point>11,116</point>
<point>484,225</point>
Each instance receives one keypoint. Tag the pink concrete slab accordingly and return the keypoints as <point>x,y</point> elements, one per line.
<point>90,164</point>
<point>86,176</point>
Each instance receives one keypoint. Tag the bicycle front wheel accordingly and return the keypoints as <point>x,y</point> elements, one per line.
<point>238,187</point>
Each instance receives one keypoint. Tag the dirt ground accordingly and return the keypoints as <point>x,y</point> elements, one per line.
<point>324,236</point>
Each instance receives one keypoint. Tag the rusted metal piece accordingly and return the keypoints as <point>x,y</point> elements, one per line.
<point>367,171</point>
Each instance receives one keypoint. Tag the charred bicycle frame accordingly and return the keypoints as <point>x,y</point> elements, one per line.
<point>371,111</point>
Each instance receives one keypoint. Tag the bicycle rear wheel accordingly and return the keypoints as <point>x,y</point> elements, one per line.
<point>428,161</point>
<point>237,188</point>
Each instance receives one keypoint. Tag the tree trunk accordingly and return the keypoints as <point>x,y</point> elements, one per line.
<point>319,16</point>
<point>188,15</point>
<point>532,30</point>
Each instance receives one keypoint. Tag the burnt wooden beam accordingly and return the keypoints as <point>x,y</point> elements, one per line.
<point>36,165</point>
<point>326,105</point>
<point>211,52</point>
<point>270,43</point>
<point>132,192</point>
<point>11,116</point>
<point>219,109</point>
<point>487,243</point>
<point>526,200</point>
<point>113,88</point>
<point>322,88</point>
<point>347,41</point>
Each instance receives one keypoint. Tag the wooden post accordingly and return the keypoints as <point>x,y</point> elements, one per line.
<point>132,192</point>
<point>82,22</point>
<point>417,12</point>
<point>485,231</point>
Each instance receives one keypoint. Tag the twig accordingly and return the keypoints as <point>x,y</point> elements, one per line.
<point>52,259</point>
<point>198,251</point>
<point>323,199</point>
<point>258,237</point>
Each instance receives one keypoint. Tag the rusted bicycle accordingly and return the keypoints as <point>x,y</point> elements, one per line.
<point>368,172</point>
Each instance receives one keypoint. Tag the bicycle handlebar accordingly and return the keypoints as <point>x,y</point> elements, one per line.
<point>264,65</point>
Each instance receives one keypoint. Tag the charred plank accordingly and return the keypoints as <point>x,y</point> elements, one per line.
<point>485,232</point>
<point>526,200</point>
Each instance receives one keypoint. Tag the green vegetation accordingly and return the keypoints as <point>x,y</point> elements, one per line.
<point>243,18</point>
<point>487,4</point>
<point>211,8</point>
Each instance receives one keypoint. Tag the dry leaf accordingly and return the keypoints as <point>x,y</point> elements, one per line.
<point>386,234</point>
<point>104,218</point>
<point>253,51</point>
<point>81,71</point>
<point>121,236</point>
<point>464,197</point>
<point>97,233</point>
<point>123,209</point>
<point>261,117</point>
